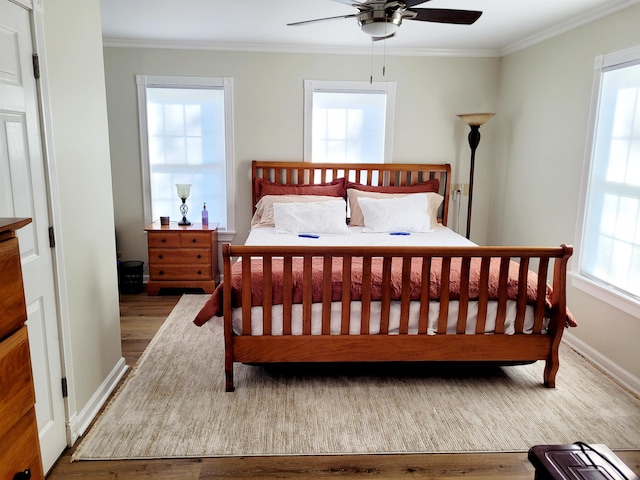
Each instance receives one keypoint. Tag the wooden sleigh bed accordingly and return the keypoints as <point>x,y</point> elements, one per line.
<point>385,303</point>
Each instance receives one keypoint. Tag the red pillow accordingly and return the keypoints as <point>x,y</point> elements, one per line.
<point>335,188</point>
<point>428,186</point>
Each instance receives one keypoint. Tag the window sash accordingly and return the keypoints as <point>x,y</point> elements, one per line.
<point>348,122</point>
<point>609,232</point>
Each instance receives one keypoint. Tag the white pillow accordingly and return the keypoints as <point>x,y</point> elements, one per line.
<point>263,216</point>
<point>408,213</point>
<point>435,200</point>
<point>312,217</point>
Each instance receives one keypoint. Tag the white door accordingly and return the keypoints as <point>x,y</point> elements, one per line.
<point>23,193</point>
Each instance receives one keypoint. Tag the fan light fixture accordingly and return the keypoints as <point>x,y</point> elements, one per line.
<point>378,23</point>
<point>379,28</point>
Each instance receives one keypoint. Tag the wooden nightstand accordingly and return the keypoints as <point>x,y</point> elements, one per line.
<point>182,256</point>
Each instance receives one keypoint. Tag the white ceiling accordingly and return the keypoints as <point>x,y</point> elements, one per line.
<point>260,25</point>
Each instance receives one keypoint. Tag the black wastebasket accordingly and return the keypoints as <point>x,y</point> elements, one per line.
<point>130,276</point>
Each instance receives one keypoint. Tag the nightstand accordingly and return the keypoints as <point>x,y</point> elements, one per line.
<point>182,257</point>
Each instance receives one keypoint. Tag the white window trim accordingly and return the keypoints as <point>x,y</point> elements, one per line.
<point>144,81</point>
<point>625,303</point>
<point>349,87</point>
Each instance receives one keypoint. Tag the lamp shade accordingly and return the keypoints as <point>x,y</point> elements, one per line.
<point>476,119</point>
<point>183,190</point>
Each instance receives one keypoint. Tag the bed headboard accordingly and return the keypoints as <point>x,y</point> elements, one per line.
<point>294,173</point>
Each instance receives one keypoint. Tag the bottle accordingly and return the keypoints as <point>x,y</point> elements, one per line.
<point>205,215</point>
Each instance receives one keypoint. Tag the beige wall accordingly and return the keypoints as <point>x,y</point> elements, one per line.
<point>268,113</point>
<point>75,74</point>
<point>543,110</point>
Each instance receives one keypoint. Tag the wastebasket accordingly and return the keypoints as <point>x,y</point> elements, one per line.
<point>130,276</point>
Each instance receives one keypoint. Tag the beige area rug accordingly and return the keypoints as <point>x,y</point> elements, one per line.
<point>173,404</point>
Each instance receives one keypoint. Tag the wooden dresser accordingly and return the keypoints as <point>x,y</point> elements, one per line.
<point>182,257</point>
<point>19,445</point>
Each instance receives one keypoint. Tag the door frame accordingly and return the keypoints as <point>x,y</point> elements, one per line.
<point>36,9</point>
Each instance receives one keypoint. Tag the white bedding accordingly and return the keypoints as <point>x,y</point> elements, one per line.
<point>440,236</point>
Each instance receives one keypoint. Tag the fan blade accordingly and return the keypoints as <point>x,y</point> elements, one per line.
<point>305,22</point>
<point>354,3</point>
<point>443,15</point>
<point>412,3</point>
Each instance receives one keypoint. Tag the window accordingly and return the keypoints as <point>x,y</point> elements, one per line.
<point>348,122</point>
<point>186,137</point>
<point>610,232</point>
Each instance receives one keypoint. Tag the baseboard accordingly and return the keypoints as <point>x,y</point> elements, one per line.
<point>620,374</point>
<point>80,421</point>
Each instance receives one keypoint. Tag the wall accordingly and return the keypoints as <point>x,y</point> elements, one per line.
<point>268,113</point>
<point>80,149</point>
<point>543,112</point>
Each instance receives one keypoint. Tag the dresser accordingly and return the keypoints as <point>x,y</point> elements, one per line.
<point>19,445</point>
<point>182,257</point>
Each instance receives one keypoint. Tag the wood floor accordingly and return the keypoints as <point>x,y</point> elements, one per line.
<point>142,315</point>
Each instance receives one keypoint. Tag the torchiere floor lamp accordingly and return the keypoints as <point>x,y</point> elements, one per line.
<point>474,120</point>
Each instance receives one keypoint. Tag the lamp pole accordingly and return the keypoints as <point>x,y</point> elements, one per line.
<point>474,120</point>
<point>474,140</point>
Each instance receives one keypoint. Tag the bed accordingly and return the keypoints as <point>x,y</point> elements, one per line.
<point>355,263</point>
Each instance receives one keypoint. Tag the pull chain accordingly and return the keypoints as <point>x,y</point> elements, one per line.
<point>384,58</point>
<point>371,67</point>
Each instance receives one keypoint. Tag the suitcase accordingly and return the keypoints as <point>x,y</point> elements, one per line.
<point>579,461</point>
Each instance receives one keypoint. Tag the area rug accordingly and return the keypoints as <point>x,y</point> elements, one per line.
<point>173,404</point>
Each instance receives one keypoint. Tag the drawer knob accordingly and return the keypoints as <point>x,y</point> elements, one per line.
<point>26,475</point>
<point>193,240</point>
<point>164,240</point>
<point>160,256</point>
<point>160,272</point>
<point>199,272</point>
<point>199,256</point>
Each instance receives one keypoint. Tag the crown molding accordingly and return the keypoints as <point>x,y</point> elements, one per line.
<point>565,27</point>
<point>295,49</point>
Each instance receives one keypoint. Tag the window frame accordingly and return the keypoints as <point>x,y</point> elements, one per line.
<point>161,81</point>
<point>600,290</point>
<point>388,88</point>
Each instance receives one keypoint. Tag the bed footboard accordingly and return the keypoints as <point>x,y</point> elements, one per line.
<point>314,279</point>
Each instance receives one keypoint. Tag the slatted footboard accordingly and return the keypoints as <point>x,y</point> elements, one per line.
<point>299,277</point>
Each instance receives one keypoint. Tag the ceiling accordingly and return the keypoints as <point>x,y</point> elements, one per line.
<point>260,25</point>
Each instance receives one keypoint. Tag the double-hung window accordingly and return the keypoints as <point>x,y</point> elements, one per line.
<point>186,137</point>
<point>348,122</point>
<point>609,235</point>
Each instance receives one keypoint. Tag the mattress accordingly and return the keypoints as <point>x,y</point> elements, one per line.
<point>440,236</point>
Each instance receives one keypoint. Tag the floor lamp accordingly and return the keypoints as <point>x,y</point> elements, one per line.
<point>474,120</point>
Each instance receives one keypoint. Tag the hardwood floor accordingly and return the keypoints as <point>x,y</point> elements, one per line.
<point>142,315</point>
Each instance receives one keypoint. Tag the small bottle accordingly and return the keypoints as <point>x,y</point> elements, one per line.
<point>205,215</point>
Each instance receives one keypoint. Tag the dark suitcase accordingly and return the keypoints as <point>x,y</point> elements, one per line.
<point>579,461</point>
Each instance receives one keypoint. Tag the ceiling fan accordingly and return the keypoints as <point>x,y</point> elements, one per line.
<point>381,18</point>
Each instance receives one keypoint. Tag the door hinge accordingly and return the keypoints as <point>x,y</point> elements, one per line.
<point>36,66</point>
<point>52,238</point>
<point>65,391</point>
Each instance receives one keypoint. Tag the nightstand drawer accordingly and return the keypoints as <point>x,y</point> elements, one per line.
<point>168,256</point>
<point>164,239</point>
<point>19,448</point>
<point>180,272</point>
<point>17,394</point>
<point>12,305</point>
<point>195,239</point>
